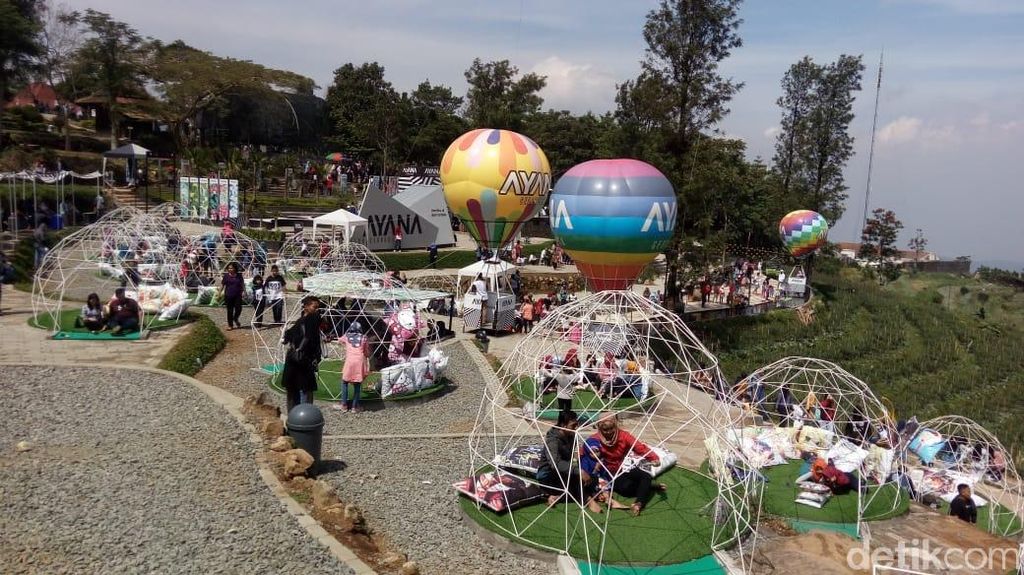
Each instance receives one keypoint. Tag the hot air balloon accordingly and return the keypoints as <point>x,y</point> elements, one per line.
<point>803,232</point>
<point>494,181</point>
<point>613,217</point>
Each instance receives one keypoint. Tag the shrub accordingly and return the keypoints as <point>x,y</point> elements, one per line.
<point>194,350</point>
<point>964,290</point>
<point>262,235</point>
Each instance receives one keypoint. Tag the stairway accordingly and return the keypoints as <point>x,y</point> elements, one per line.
<point>124,197</point>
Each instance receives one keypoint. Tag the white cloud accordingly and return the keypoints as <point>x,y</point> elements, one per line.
<point>977,6</point>
<point>575,87</point>
<point>903,129</point>
<point>772,132</point>
<point>982,120</point>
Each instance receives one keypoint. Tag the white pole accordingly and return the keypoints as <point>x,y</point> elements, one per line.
<point>35,202</point>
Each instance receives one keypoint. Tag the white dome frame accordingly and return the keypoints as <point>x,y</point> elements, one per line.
<point>340,255</point>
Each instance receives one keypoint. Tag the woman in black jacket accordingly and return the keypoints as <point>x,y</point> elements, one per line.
<point>303,356</point>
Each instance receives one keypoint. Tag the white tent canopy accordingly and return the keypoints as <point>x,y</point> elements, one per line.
<point>495,272</point>
<point>344,219</point>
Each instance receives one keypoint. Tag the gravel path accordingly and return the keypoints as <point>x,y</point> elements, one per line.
<point>133,472</point>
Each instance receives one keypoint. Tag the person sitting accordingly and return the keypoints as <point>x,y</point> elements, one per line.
<point>93,316</point>
<point>124,313</point>
<point>963,505</point>
<point>613,447</point>
<point>556,472</point>
<point>826,473</point>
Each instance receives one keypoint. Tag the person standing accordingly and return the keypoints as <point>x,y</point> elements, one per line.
<point>357,367</point>
<point>302,357</point>
<point>232,285</point>
<point>526,312</point>
<point>101,203</point>
<point>398,237</point>
<point>259,300</point>
<point>432,253</point>
<point>273,289</point>
<point>481,290</point>
<point>565,388</point>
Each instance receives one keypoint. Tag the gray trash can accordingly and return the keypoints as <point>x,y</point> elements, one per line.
<point>306,427</point>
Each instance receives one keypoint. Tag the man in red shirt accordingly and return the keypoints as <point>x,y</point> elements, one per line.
<point>615,445</point>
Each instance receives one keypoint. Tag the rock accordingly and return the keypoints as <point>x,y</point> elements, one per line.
<point>393,560</point>
<point>272,428</point>
<point>353,514</point>
<point>323,494</point>
<point>410,568</point>
<point>23,446</point>
<point>282,443</point>
<point>296,462</point>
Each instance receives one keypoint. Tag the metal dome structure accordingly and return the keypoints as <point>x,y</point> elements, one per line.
<point>311,252</point>
<point>126,248</point>
<point>654,391</point>
<point>951,450</point>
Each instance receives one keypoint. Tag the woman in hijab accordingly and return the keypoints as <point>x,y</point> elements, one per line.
<point>357,367</point>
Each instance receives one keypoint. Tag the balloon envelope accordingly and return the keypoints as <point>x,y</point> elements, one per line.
<point>613,217</point>
<point>494,181</point>
<point>803,232</point>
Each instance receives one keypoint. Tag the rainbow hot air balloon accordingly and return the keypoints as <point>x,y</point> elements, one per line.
<point>613,217</point>
<point>803,232</point>
<point>494,181</point>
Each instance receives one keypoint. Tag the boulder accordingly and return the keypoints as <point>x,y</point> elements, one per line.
<point>23,446</point>
<point>282,443</point>
<point>323,494</point>
<point>296,462</point>
<point>410,568</point>
<point>272,428</point>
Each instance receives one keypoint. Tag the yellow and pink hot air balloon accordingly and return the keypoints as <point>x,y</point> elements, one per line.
<point>494,181</point>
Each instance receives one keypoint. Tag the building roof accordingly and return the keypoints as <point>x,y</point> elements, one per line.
<point>34,94</point>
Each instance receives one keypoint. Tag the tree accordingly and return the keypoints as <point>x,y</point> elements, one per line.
<point>878,240</point>
<point>814,143</point>
<point>189,80</point>
<point>496,99</point>
<point>366,112</point>
<point>568,140</point>
<point>434,122</point>
<point>60,38</point>
<point>110,62</point>
<point>680,92</point>
<point>19,42</point>
<point>917,244</point>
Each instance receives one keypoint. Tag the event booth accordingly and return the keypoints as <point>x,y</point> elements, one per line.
<point>419,211</point>
<point>499,313</point>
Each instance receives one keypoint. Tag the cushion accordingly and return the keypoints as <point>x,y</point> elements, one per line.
<point>847,456</point>
<point>525,458</point>
<point>666,459</point>
<point>811,499</point>
<point>927,444</point>
<point>878,464</point>
<point>499,491</point>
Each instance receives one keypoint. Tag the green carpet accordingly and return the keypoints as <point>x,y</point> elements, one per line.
<point>1006,522</point>
<point>329,383</point>
<point>781,492</point>
<point>66,329</point>
<point>675,527</point>
<point>586,401</point>
<point>706,565</point>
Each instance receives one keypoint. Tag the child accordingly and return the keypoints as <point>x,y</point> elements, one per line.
<point>259,301</point>
<point>526,311</point>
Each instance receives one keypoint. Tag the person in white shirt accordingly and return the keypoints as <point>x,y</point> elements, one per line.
<point>481,290</point>
<point>273,290</point>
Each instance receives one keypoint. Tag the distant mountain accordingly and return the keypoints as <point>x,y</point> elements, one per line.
<point>1001,264</point>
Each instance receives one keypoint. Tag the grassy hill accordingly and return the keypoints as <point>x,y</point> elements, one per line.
<point>917,341</point>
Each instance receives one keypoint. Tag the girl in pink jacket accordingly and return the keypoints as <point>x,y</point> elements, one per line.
<point>357,367</point>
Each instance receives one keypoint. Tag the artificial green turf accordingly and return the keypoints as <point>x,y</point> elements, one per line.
<point>674,528</point>
<point>329,383</point>
<point>1007,523</point>
<point>585,401</point>
<point>66,325</point>
<point>780,495</point>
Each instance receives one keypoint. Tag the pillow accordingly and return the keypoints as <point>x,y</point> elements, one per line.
<point>666,459</point>
<point>419,368</point>
<point>174,311</point>
<point>812,487</point>
<point>813,439</point>
<point>846,456</point>
<point>525,458</point>
<point>499,491</point>
<point>760,453</point>
<point>397,380</point>
<point>878,464</point>
<point>927,445</point>
<point>816,500</point>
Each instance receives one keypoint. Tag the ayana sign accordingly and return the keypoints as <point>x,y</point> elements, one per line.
<point>419,212</point>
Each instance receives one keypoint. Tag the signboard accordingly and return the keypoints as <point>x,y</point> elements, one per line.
<point>796,285</point>
<point>208,198</point>
<point>420,212</point>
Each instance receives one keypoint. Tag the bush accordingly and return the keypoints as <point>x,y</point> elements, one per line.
<point>262,235</point>
<point>196,348</point>
<point>964,290</point>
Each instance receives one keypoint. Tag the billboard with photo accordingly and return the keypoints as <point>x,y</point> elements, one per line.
<point>208,198</point>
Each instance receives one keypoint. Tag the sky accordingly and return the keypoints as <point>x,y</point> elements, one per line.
<point>949,150</point>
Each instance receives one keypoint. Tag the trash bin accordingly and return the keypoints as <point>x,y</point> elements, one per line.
<point>306,427</point>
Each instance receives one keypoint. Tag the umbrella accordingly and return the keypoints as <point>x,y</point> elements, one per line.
<point>335,157</point>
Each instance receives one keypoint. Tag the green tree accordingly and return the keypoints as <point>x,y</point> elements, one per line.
<point>365,111</point>
<point>917,244</point>
<point>878,240</point>
<point>814,143</point>
<point>434,122</point>
<point>189,80</point>
<point>110,62</point>
<point>60,38</point>
<point>497,99</point>
<point>19,43</point>
<point>568,140</point>
<point>681,93</point>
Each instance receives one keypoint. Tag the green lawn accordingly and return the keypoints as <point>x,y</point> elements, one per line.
<point>66,322</point>
<point>1006,522</point>
<point>674,528</point>
<point>781,492</point>
<point>329,383</point>
<point>585,402</point>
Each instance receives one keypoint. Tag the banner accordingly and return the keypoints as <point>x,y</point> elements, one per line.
<point>233,198</point>
<point>184,197</point>
<point>208,198</point>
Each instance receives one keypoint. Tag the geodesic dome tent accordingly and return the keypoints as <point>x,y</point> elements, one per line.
<point>811,408</point>
<point>947,451</point>
<point>125,248</point>
<point>707,505</point>
<point>389,314</point>
<point>313,252</point>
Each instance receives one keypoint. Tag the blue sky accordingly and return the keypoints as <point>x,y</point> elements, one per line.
<point>949,156</point>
